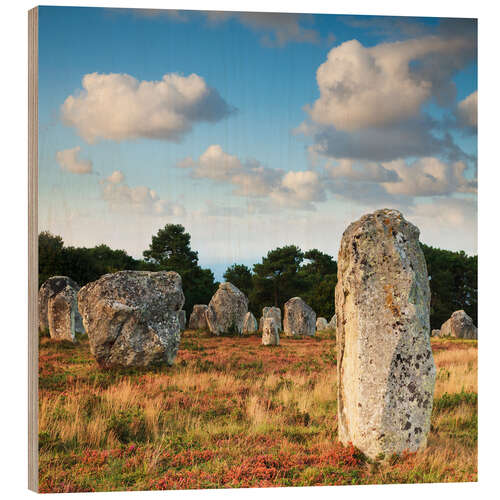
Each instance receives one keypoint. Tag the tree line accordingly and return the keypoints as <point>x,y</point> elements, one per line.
<point>283,273</point>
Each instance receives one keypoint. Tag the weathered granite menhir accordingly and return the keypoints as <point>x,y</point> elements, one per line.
<point>226,310</point>
<point>298,318</point>
<point>386,370</point>
<point>57,308</point>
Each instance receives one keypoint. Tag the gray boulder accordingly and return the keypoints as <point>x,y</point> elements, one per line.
<point>132,317</point>
<point>385,367</point>
<point>226,310</point>
<point>197,320</point>
<point>298,318</point>
<point>270,332</point>
<point>65,318</point>
<point>249,323</point>
<point>459,326</point>
<point>321,324</point>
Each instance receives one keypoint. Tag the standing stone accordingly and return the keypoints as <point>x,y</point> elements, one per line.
<point>386,370</point>
<point>321,324</point>
<point>460,326</point>
<point>332,325</point>
<point>61,309</point>
<point>270,332</point>
<point>197,320</point>
<point>249,323</point>
<point>436,333</point>
<point>226,310</point>
<point>271,312</point>
<point>181,316</point>
<point>131,317</point>
<point>63,327</point>
<point>298,318</point>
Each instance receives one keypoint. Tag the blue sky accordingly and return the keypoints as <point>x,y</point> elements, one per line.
<point>256,150</point>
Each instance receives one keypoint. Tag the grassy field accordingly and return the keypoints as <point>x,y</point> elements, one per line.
<point>231,413</point>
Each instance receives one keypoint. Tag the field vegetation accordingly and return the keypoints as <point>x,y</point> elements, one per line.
<point>232,413</point>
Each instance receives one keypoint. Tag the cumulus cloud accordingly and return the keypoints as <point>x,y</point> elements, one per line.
<point>117,177</point>
<point>252,179</point>
<point>413,138</point>
<point>69,160</point>
<point>382,85</point>
<point>119,107</point>
<point>429,177</point>
<point>299,190</point>
<point>371,99</point>
<point>399,180</point>
<point>138,199</point>
<point>358,171</point>
<point>467,111</point>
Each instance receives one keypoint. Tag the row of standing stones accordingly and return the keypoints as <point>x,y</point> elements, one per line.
<point>385,367</point>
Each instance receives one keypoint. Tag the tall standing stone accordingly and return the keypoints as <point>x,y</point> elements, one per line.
<point>298,318</point>
<point>61,311</point>
<point>270,332</point>
<point>197,320</point>
<point>271,312</point>
<point>132,317</point>
<point>249,323</point>
<point>59,315</point>
<point>386,370</point>
<point>226,310</point>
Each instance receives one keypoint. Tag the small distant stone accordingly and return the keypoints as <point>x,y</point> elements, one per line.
<point>321,324</point>
<point>332,325</point>
<point>460,326</point>
<point>298,318</point>
<point>271,312</point>
<point>270,333</point>
<point>197,320</point>
<point>249,323</point>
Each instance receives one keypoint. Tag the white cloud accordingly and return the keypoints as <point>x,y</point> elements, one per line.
<point>116,177</point>
<point>467,111</point>
<point>119,107</point>
<point>377,86</point>
<point>252,179</point>
<point>215,164</point>
<point>138,199</point>
<point>299,190</point>
<point>429,177</point>
<point>69,161</point>
<point>365,171</point>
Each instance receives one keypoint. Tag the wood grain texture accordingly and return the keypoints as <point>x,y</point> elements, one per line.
<point>33,249</point>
